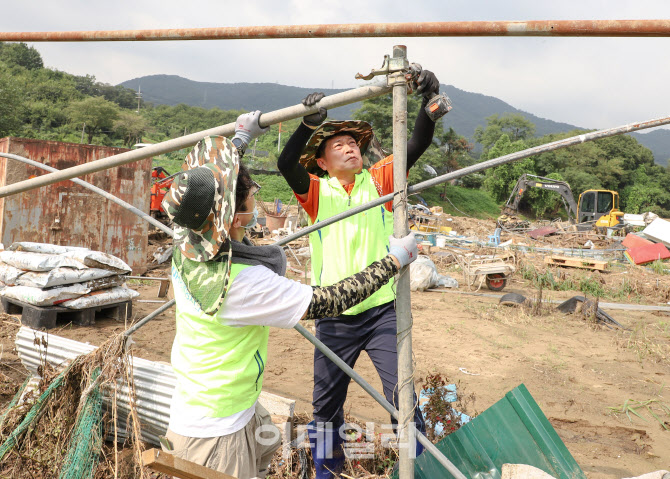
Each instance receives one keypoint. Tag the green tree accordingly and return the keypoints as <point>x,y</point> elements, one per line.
<point>544,202</point>
<point>95,114</point>
<point>130,126</point>
<point>609,163</point>
<point>500,180</point>
<point>21,55</point>
<point>514,125</point>
<point>448,151</point>
<point>11,108</point>
<point>379,113</point>
<point>646,193</point>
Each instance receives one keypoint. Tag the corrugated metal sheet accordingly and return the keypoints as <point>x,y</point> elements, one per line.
<point>154,383</point>
<point>514,430</point>
<point>67,214</point>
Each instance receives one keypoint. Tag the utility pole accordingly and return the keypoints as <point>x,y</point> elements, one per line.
<point>82,133</point>
<point>139,97</point>
<point>398,67</point>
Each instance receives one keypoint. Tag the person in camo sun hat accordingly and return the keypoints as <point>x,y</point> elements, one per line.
<point>361,131</point>
<point>201,201</point>
<point>227,293</point>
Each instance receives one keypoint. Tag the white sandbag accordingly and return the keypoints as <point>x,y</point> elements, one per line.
<point>9,274</point>
<point>101,298</point>
<point>44,297</point>
<point>61,276</point>
<point>105,283</point>
<point>98,259</point>
<point>423,275</point>
<point>45,248</point>
<point>38,261</point>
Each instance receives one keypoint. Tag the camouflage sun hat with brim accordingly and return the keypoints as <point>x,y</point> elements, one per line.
<point>361,131</point>
<point>201,200</point>
<point>201,203</point>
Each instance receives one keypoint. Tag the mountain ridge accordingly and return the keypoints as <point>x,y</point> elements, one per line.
<point>470,108</point>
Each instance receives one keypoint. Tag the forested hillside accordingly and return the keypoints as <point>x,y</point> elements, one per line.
<point>470,109</point>
<point>43,103</point>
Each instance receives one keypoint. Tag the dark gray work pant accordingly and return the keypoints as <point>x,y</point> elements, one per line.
<point>372,331</point>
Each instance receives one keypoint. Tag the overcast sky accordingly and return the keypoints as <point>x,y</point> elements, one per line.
<point>590,82</point>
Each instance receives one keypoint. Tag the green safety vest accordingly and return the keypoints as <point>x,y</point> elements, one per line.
<point>219,368</point>
<point>350,245</point>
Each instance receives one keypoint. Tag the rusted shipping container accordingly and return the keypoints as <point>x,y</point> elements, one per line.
<point>67,214</point>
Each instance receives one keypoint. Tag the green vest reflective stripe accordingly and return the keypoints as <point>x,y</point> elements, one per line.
<point>219,368</point>
<point>350,245</point>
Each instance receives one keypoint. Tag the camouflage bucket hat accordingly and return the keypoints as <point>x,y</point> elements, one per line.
<point>361,131</point>
<point>201,200</point>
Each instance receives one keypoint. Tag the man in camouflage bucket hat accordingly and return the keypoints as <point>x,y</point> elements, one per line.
<point>227,292</point>
<point>370,147</point>
<point>324,164</point>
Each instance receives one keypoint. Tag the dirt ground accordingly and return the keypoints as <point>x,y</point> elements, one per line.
<point>579,373</point>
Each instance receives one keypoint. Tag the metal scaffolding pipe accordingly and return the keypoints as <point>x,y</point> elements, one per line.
<point>266,119</point>
<point>441,458</point>
<point>519,155</point>
<point>403,305</point>
<point>348,370</point>
<point>532,28</point>
<point>97,190</point>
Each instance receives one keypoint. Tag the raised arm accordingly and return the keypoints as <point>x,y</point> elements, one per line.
<point>331,301</point>
<point>424,127</point>
<point>288,163</point>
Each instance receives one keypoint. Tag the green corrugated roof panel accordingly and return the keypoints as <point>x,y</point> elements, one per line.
<point>514,430</point>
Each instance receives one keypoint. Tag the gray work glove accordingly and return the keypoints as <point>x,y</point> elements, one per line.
<point>247,127</point>
<point>404,249</point>
<point>428,84</point>
<point>315,119</point>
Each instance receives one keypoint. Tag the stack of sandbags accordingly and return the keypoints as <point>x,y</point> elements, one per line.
<point>45,275</point>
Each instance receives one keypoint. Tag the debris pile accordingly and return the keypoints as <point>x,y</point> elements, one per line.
<point>55,426</point>
<point>650,244</point>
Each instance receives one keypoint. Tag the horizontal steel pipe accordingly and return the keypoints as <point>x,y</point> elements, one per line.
<point>534,28</point>
<point>437,454</point>
<point>266,119</point>
<point>97,190</point>
<point>485,165</point>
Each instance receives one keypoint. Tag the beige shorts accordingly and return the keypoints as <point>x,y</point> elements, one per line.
<point>239,454</point>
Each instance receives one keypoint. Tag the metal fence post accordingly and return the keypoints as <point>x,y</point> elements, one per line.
<point>406,436</point>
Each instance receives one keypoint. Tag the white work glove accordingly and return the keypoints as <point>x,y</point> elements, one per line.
<point>404,249</point>
<point>247,127</point>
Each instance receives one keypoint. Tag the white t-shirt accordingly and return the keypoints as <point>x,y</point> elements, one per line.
<point>257,297</point>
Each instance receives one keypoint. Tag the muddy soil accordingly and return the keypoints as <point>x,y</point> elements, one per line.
<point>579,373</point>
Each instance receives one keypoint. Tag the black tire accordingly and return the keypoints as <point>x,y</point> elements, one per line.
<point>496,281</point>
<point>512,299</point>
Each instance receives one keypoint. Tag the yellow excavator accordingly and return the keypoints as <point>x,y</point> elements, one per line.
<point>595,208</point>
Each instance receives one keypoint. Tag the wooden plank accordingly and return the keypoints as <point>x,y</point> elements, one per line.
<point>163,288</point>
<point>574,262</point>
<point>168,464</point>
<point>277,405</point>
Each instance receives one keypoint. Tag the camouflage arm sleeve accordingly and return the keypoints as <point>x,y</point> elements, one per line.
<point>331,301</point>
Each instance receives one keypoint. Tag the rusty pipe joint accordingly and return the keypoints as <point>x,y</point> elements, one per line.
<point>389,66</point>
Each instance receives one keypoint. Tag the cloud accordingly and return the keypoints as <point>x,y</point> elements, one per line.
<point>590,82</point>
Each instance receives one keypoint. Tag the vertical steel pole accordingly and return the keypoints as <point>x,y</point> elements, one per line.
<point>406,436</point>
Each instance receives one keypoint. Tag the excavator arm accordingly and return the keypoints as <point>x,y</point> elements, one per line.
<point>527,181</point>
